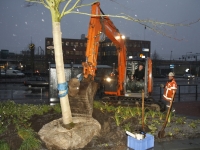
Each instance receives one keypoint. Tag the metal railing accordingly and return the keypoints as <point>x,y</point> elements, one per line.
<point>186,90</point>
<point>23,96</point>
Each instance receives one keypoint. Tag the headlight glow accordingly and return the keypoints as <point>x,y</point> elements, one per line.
<point>108,79</point>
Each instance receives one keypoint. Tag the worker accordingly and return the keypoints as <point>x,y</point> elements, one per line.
<point>169,89</point>
<point>139,73</point>
<point>136,82</point>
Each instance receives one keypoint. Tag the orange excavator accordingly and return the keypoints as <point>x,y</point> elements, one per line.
<point>117,86</point>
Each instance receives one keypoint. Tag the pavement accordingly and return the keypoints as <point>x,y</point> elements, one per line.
<point>187,144</point>
<point>190,110</point>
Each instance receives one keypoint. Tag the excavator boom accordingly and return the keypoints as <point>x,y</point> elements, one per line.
<point>101,24</point>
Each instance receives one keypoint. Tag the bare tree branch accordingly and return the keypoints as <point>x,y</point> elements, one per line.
<point>155,56</point>
<point>155,26</point>
<point>68,12</point>
<point>38,1</point>
<point>62,14</point>
<point>86,4</point>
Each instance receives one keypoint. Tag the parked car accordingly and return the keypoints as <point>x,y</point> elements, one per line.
<point>3,73</point>
<point>14,73</point>
<point>36,81</point>
<point>189,76</point>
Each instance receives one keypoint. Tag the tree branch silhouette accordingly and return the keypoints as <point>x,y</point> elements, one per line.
<point>150,24</point>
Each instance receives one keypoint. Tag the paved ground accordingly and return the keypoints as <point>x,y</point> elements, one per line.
<point>191,110</point>
<point>188,144</point>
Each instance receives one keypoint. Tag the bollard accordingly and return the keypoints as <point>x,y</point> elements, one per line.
<point>179,93</point>
<point>196,92</point>
<point>12,94</point>
<point>41,93</point>
<point>160,93</point>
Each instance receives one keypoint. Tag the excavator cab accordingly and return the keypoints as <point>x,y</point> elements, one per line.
<point>133,86</point>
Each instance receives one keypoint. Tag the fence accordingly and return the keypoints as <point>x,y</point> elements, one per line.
<point>40,95</point>
<point>33,96</point>
<point>185,92</point>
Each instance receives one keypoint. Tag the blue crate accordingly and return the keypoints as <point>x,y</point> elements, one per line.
<point>146,143</point>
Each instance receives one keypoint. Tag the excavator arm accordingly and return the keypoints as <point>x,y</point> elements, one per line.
<point>101,24</point>
<point>82,92</point>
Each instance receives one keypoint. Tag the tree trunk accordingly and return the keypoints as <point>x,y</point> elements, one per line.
<point>64,101</point>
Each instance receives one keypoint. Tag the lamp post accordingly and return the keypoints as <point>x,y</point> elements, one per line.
<point>197,68</point>
<point>171,56</point>
<point>186,55</point>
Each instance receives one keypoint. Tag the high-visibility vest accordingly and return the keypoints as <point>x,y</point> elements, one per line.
<point>168,91</point>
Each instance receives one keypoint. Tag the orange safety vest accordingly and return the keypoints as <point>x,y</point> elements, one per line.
<point>168,91</point>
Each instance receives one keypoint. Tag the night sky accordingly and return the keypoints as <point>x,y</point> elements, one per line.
<point>19,25</point>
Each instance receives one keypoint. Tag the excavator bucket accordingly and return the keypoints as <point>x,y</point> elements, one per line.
<point>81,97</point>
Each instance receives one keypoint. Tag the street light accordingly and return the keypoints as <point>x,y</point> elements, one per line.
<point>197,68</point>
<point>186,55</point>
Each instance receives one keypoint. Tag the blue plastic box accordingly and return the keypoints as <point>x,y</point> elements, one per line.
<point>146,143</point>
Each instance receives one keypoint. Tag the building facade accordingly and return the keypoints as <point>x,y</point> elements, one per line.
<point>74,50</point>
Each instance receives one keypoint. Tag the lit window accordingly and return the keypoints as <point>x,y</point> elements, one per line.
<point>48,52</point>
<point>76,52</point>
<point>71,52</point>
<point>48,42</point>
<point>67,43</point>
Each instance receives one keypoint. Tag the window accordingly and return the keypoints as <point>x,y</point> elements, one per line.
<point>107,53</point>
<point>72,43</point>
<point>48,42</point>
<point>81,44</point>
<point>108,44</point>
<point>76,44</point>
<point>67,43</point>
<point>76,52</point>
<point>48,52</point>
<point>112,44</point>
<point>114,53</point>
<point>71,52</point>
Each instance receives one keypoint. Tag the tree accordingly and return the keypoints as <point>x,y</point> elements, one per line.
<point>56,14</point>
<point>155,57</point>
